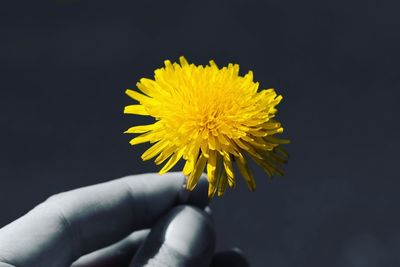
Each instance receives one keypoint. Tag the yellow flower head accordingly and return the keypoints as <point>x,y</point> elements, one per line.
<point>210,117</point>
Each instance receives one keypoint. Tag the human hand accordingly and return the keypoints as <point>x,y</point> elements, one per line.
<point>102,225</point>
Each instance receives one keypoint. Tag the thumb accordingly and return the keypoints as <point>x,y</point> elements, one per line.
<point>184,237</point>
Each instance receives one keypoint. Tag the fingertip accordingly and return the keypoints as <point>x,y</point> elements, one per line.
<point>208,210</point>
<point>199,196</point>
<point>184,237</point>
<point>196,197</point>
<point>191,232</point>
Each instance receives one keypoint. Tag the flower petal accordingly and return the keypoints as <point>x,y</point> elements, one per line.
<point>136,109</point>
<point>195,175</point>
<point>228,166</point>
<point>154,150</point>
<point>246,173</point>
<point>223,182</point>
<point>211,166</point>
<point>165,154</point>
<point>188,168</point>
<point>171,162</point>
<point>141,128</point>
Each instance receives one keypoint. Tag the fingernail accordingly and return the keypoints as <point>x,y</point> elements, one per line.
<point>190,233</point>
<point>208,210</point>
<point>236,249</point>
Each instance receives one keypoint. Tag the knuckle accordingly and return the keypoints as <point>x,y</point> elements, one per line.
<point>55,198</point>
<point>54,210</point>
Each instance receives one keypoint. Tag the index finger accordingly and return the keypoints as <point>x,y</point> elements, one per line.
<point>74,223</point>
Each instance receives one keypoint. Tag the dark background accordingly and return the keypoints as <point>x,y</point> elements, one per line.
<point>64,66</point>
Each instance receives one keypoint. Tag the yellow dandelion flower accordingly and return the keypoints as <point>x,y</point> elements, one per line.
<point>211,118</point>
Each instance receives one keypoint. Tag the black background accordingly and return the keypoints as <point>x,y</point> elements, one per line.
<point>64,66</point>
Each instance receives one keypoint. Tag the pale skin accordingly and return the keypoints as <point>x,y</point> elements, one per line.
<point>139,220</point>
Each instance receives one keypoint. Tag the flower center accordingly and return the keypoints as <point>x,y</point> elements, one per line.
<point>210,121</point>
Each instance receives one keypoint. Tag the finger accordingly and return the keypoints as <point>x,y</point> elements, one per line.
<point>184,237</point>
<point>118,254</point>
<point>80,221</point>
<point>231,258</point>
<point>200,198</point>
